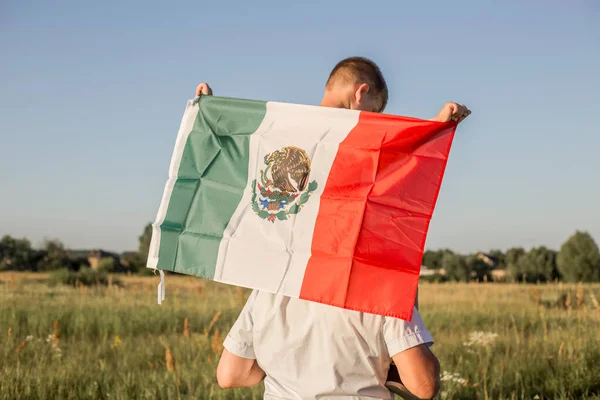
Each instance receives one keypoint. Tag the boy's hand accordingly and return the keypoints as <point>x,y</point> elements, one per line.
<point>452,112</point>
<point>203,88</point>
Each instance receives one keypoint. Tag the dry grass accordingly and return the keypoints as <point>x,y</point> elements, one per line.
<point>494,341</point>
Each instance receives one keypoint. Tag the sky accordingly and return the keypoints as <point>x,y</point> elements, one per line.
<point>92,94</point>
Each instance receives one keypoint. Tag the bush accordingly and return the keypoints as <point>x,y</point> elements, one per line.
<point>107,264</point>
<point>146,271</point>
<point>435,278</point>
<point>84,276</point>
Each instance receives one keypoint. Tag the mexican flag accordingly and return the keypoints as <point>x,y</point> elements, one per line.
<point>322,204</point>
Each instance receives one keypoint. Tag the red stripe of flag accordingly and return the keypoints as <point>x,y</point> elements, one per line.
<point>374,214</point>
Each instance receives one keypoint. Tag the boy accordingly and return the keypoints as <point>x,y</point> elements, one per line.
<point>309,350</point>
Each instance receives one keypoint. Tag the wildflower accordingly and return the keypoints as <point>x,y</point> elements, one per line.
<point>186,328</point>
<point>116,342</point>
<point>56,351</point>
<point>216,342</point>
<point>483,339</point>
<point>579,295</point>
<point>21,347</point>
<point>594,301</point>
<point>453,377</point>
<point>568,302</point>
<point>29,338</point>
<point>170,360</point>
<point>213,321</point>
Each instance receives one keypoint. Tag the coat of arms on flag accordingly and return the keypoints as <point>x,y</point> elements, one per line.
<point>340,200</point>
<point>283,188</point>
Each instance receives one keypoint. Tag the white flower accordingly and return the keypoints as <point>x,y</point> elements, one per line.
<point>480,339</point>
<point>29,338</point>
<point>452,377</point>
<point>56,351</point>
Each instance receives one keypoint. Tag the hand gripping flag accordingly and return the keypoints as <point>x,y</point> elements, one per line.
<point>322,204</point>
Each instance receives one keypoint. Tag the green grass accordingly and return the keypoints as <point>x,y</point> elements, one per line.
<point>111,342</point>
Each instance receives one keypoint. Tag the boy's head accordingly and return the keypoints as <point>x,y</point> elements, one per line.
<point>356,83</point>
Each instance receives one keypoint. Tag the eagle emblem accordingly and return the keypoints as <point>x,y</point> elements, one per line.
<point>283,187</point>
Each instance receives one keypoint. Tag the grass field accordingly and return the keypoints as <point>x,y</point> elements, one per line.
<point>494,341</point>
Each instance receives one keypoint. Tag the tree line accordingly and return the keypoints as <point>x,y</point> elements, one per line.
<point>577,260</point>
<point>17,254</point>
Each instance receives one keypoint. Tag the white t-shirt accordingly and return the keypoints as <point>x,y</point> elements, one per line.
<point>315,351</point>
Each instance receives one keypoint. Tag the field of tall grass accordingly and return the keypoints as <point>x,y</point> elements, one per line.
<point>494,341</point>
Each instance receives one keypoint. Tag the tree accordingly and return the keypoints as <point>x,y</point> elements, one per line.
<point>456,267</point>
<point>538,264</point>
<point>478,267</point>
<point>499,256</point>
<point>56,256</point>
<point>432,259</point>
<point>579,259</point>
<point>15,254</point>
<point>511,259</point>
<point>137,262</point>
<point>144,241</point>
<point>512,255</point>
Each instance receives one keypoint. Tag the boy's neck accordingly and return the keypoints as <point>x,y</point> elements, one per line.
<point>333,101</point>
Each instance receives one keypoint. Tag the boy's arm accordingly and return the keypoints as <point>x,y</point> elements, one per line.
<point>238,372</point>
<point>415,373</point>
<point>237,366</point>
<point>419,371</point>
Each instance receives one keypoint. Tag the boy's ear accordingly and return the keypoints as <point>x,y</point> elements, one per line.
<point>360,92</point>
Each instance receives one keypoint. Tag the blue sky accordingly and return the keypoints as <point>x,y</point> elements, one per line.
<point>92,94</point>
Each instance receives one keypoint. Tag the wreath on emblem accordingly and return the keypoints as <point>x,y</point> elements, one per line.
<point>283,188</point>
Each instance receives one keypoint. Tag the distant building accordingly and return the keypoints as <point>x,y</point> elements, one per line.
<point>486,258</point>
<point>425,271</point>
<point>492,262</point>
<point>498,275</point>
<point>93,257</point>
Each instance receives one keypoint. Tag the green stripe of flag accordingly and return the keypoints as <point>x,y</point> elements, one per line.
<point>210,183</point>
